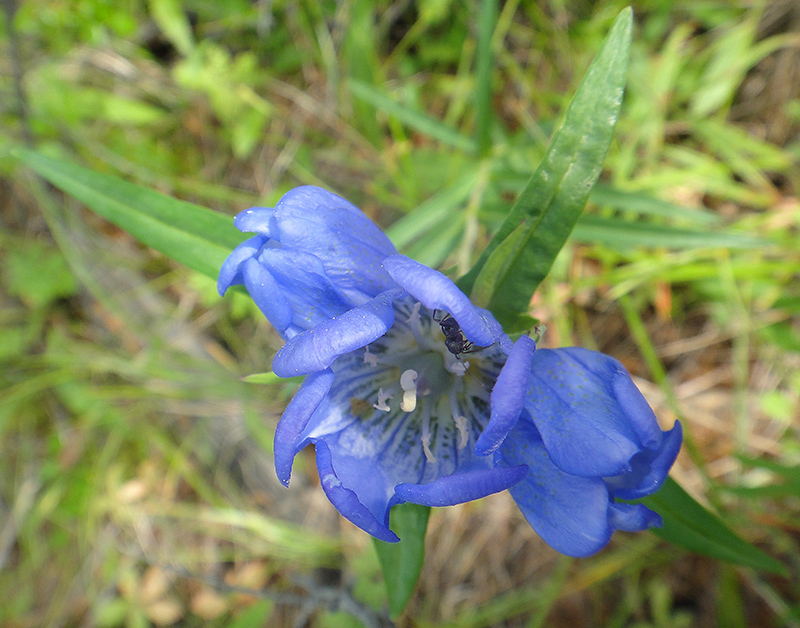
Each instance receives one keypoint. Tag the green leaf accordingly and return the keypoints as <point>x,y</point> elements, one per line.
<point>553,199</point>
<point>687,524</point>
<point>401,562</point>
<point>192,235</point>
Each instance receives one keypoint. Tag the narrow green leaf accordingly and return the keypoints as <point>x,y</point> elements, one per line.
<point>192,235</point>
<point>497,265</point>
<point>433,214</point>
<point>261,378</point>
<point>416,120</point>
<point>401,562</point>
<point>687,524</point>
<point>174,23</point>
<point>269,378</point>
<point>555,196</point>
<point>487,19</point>
<point>644,204</point>
<point>619,233</point>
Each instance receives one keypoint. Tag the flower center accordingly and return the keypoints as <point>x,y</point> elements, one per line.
<point>411,381</point>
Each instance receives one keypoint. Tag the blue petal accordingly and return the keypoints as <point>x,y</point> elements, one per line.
<point>569,512</point>
<point>231,274</point>
<point>633,517</point>
<point>294,420</point>
<point>587,428</point>
<point>351,247</point>
<point>437,292</point>
<point>267,295</point>
<point>257,220</point>
<point>311,295</point>
<point>345,499</point>
<point>317,348</point>
<point>649,468</point>
<point>461,487</point>
<point>508,396</point>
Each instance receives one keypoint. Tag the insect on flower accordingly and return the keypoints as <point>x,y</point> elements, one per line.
<point>454,338</point>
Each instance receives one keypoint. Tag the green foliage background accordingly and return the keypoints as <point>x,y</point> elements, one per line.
<point>135,479</point>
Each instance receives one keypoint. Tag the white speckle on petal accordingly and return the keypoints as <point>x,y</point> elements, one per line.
<point>330,481</point>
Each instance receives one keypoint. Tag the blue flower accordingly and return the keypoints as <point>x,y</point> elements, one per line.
<point>413,394</point>
<point>306,262</point>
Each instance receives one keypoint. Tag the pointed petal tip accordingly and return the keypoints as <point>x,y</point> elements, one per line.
<point>346,500</point>
<point>289,432</point>
<point>462,487</point>
<point>508,396</point>
<point>254,220</point>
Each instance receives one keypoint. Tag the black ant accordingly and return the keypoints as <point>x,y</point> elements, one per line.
<point>454,338</point>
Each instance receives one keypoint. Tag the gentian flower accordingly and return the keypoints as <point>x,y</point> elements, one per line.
<point>414,394</point>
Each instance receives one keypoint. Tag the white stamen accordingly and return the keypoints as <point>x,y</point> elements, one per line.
<point>461,424</point>
<point>414,317</point>
<point>426,437</point>
<point>383,397</point>
<point>426,448</point>
<point>370,358</point>
<point>415,323</point>
<point>457,368</point>
<point>460,421</point>
<point>409,386</point>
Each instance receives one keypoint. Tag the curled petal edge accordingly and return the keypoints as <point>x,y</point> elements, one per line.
<point>633,517</point>
<point>346,501</point>
<point>267,295</point>
<point>295,419</point>
<point>230,274</point>
<point>659,467</point>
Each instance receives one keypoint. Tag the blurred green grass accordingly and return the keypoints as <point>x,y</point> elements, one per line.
<point>135,481</point>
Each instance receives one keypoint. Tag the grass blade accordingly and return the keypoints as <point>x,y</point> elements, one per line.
<point>197,237</point>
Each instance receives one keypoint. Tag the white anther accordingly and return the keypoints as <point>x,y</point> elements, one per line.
<point>382,399</point>
<point>370,358</point>
<point>409,386</point>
